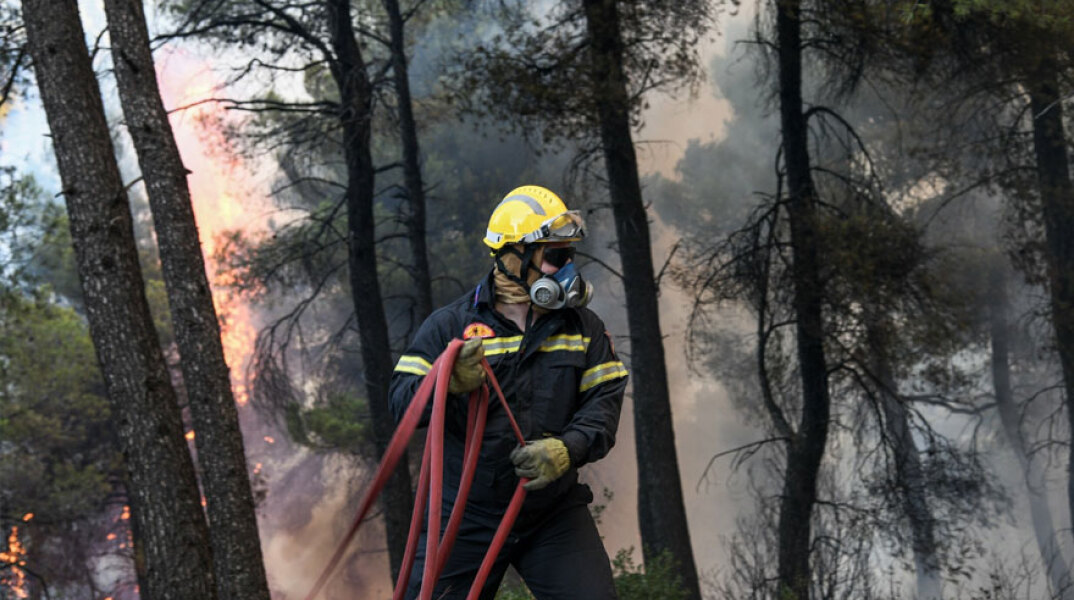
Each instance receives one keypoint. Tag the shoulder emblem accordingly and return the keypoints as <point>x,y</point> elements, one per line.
<point>477,329</point>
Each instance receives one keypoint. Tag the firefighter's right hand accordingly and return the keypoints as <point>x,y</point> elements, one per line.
<point>468,373</point>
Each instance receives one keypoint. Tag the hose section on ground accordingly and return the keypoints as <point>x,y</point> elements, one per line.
<point>431,480</point>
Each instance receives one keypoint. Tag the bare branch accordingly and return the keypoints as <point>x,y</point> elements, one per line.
<point>749,449</point>
<point>10,83</point>
<point>667,261</point>
<point>601,263</point>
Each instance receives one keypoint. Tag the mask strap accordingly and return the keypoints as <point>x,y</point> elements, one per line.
<point>526,257</point>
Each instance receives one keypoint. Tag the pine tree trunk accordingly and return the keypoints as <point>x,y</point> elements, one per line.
<point>1040,513</point>
<point>1057,201</point>
<point>806,450</point>
<point>174,559</point>
<point>408,135</point>
<point>240,572</point>
<point>661,511</point>
<point>356,117</point>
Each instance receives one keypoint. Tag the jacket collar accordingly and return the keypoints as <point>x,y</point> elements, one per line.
<point>485,292</point>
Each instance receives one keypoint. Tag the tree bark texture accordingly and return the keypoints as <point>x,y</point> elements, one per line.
<point>909,473</point>
<point>661,511</point>
<point>1040,513</point>
<point>806,449</point>
<point>174,560</point>
<point>356,96</point>
<point>240,572</point>
<point>1057,203</point>
<point>415,190</point>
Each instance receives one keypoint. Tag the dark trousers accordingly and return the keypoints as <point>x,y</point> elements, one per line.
<point>560,558</point>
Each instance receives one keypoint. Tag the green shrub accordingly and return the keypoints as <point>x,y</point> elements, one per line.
<point>513,592</point>
<point>655,581</point>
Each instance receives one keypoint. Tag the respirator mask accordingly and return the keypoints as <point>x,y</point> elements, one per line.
<point>565,287</point>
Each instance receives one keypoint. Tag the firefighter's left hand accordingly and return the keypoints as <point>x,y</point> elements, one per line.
<point>542,461</point>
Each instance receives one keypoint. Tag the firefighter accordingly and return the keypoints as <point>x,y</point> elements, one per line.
<point>555,362</point>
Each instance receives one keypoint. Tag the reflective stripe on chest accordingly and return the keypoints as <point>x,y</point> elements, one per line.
<point>553,343</point>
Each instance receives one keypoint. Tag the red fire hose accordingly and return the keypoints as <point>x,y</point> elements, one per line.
<point>431,480</point>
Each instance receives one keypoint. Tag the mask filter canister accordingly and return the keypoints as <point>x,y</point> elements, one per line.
<point>563,288</point>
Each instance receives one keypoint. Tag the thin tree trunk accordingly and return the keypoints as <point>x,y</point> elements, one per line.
<point>806,449</point>
<point>415,190</point>
<point>174,560</point>
<point>356,117</point>
<point>909,475</point>
<point>240,572</point>
<point>1051,553</point>
<point>661,511</point>
<point>1057,201</point>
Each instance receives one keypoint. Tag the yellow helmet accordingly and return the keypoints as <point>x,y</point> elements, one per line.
<point>530,214</point>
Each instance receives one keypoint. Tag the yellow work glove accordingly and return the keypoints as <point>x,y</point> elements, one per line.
<point>468,373</point>
<point>542,461</point>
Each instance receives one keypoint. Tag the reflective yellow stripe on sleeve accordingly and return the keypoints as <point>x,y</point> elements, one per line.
<point>413,364</point>
<point>601,373</point>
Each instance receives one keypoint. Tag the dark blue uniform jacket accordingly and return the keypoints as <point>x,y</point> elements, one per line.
<point>561,378</point>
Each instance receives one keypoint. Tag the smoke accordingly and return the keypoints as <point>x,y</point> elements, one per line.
<point>720,137</point>
<point>302,528</point>
<point>714,162</point>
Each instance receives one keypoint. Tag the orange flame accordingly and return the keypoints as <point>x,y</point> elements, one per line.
<point>125,530</point>
<point>218,189</point>
<point>14,557</point>
<point>257,469</point>
<point>189,435</point>
<point>27,517</point>
<point>270,439</point>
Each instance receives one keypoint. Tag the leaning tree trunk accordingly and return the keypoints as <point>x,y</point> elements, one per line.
<point>415,191</point>
<point>174,560</point>
<point>661,512</point>
<point>356,114</point>
<point>909,474</point>
<point>1057,202</point>
<point>1040,513</point>
<point>806,449</point>
<point>240,572</point>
